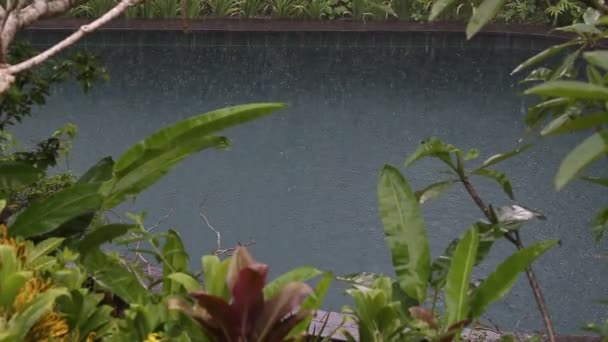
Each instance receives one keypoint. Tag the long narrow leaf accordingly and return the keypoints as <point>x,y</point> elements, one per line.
<point>483,14</point>
<point>49,213</point>
<point>459,276</point>
<point>503,278</point>
<point>581,157</point>
<point>566,124</point>
<point>438,7</point>
<point>405,233</point>
<point>433,191</point>
<point>571,89</point>
<point>543,55</point>
<point>497,158</point>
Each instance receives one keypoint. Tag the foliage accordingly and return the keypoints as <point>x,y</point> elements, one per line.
<point>248,315</point>
<point>389,310</point>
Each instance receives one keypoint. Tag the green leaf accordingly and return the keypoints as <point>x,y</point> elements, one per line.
<point>572,89</point>
<point>175,259</point>
<point>598,58</point>
<point>591,16</point>
<point>360,279</point>
<point>594,75</point>
<point>497,158</point>
<point>103,234</point>
<point>100,172</point>
<point>459,276</point>
<point>543,55</point>
<point>185,280</point>
<point>581,157</point>
<point>567,124</point>
<point>11,286</point>
<point>482,15</point>
<point>595,180</point>
<point>215,272</point>
<point>149,160</point>
<point>499,177</point>
<point>566,66</point>
<point>600,224</point>
<point>441,266</point>
<point>15,174</point>
<point>313,302</point>
<point>42,304</point>
<point>302,273</point>
<point>503,278</point>
<point>438,7</point>
<point>432,147</point>
<point>433,191</point>
<point>580,29</point>
<point>404,232</point>
<point>43,248</point>
<point>48,214</point>
<point>536,113</point>
<point>111,275</point>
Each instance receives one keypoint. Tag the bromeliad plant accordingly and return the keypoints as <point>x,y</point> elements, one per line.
<point>244,308</point>
<point>402,310</point>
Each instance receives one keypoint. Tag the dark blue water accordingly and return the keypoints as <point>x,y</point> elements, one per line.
<point>302,183</point>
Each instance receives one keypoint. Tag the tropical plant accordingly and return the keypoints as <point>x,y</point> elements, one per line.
<point>222,8</point>
<point>163,8</point>
<point>193,8</point>
<point>93,8</point>
<point>284,8</point>
<point>315,9</point>
<point>394,310</point>
<point>251,8</point>
<point>255,312</point>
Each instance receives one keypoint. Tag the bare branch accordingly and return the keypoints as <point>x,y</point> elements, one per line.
<point>219,250</point>
<point>42,8</point>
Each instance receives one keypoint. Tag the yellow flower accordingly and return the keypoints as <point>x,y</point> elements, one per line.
<point>51,327</point>
<point>29,291</point>
<point>154,337</point>
<point>5,240</point>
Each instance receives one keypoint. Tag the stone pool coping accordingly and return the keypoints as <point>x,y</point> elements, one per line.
<point>294,25</point>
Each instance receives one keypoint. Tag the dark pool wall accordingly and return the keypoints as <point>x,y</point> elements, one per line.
<point>302,183</point>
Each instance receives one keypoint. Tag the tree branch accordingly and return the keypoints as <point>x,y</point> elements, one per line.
<point>515,240</point>
<point>7,73</point>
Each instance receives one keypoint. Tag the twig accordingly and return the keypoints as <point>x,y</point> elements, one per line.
<point>516,240</point>
<point>219,250</point>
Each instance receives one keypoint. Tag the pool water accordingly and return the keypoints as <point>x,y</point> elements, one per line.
<point>302,182</point>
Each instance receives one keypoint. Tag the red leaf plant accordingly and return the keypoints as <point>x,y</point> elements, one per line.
<point>247,317</point>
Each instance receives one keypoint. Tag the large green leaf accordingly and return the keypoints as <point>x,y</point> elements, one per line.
<point>572,89</point>
<point>566,123</point>
<point>103,234</point>
<point>433,191</point>
<point>581,157</point>
<point>432,147</point>
<point>459,276</point>
<point>149,172</point>
<point>503,278</point>
<point>112,275</point>
<point>15,174</point>
<point>499,177</point>
<point>497,158</point>
<point>302,273</point>
<point>100,172</point>
<point>438,7</point>
<point>404,232</point>
<point>482,15</point>
<point>543,55</point>
<point>175,259</point>
<point>185,280</point>
<point>49,213</point>
<point>149,160</point>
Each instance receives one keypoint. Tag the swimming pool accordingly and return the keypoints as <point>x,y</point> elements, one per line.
<point>302,183</point>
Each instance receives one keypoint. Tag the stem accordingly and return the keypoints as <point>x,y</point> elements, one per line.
<point>515,240</point>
